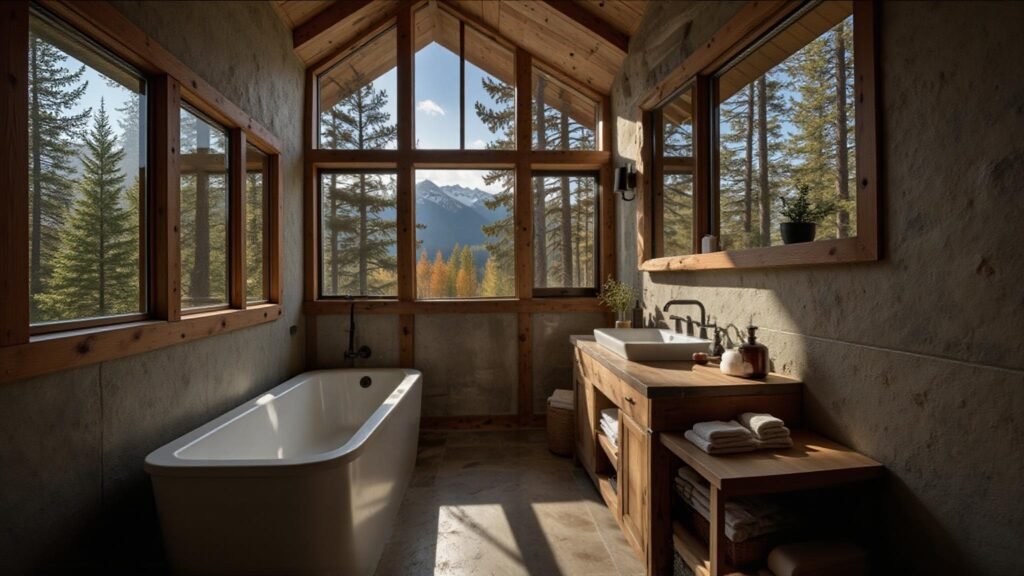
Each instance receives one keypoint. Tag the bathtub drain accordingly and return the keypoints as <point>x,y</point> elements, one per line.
<point>365,381</point>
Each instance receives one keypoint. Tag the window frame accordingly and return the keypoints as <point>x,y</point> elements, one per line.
<point>406,159</point>
<point>746,30</point>
<point>26,351</point>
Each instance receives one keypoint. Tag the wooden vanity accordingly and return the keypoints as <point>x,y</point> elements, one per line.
<point>654,398</point>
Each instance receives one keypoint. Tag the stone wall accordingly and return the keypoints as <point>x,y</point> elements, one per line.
<point>914,360</point>
<point>75,498</point>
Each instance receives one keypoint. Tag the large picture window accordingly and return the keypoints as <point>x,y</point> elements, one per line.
<point>87,180</point>
<point>465,234</point>
<point>358,229</point>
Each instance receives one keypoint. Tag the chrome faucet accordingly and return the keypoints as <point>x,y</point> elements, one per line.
<point>689,322</point>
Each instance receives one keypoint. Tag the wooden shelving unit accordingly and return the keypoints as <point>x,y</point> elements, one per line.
<point>695,554</point>
<point>608,492</point>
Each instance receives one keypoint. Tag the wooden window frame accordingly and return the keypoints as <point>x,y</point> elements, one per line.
<point>577,291</point>
<point>26,351</point>
<point>751,23</point>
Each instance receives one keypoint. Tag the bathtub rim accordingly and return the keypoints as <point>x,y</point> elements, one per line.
<point>164,461</point>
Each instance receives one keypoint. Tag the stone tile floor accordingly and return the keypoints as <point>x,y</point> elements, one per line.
<point>500,503</point>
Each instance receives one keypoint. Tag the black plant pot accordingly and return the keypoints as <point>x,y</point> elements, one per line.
<point>797,232</point>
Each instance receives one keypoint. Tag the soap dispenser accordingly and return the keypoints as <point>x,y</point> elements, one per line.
<point>755,355</point>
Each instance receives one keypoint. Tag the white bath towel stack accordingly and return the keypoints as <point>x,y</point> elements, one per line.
<point>767,430</point>
<point>718,437</point>
<point>561,399</point>
<point>610,424</point>
<point>745,518</point>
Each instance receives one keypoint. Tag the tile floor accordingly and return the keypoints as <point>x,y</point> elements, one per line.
<point>499,503</point>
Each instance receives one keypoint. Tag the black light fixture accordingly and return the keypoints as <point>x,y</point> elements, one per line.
<point>625,181</point>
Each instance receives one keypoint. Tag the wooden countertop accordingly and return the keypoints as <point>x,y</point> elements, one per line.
<point>653,379</point>
<point>812,462</point>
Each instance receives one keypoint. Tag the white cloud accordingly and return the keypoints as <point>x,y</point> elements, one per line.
<point>430,108</point>
<point>478,144</point>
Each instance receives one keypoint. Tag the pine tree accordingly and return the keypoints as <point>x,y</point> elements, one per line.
<point>815,142</point>
<point>677,187</point>
<point>54,91</point>
<point>93,272</point>
<point>359,240</point>
<point>501,233</point>
<point>204,197</point>
<point>466,283</point>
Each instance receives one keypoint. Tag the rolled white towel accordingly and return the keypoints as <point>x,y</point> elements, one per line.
<point>760,422</point>
<point>773,433</point>
<point>710,448</point>
<point>717,430</point>
<point>782,442</point>
<point>610,414</point>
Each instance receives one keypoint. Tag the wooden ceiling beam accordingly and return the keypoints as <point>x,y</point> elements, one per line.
<point>591,22</point>
<point>324,20</point>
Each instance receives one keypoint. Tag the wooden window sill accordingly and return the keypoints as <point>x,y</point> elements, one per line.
<point>821,252</point>
<point>61,351</point>
<point>455,306</point>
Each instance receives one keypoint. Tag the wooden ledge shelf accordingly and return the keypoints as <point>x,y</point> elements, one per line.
<point>812,462</point>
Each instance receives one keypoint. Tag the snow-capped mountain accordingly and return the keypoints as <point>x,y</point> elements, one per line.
<point>452,214</point>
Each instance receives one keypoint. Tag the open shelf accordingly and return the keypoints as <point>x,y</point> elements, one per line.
<point>611,498</point>
<point>610,449</point>
<point>696,554</point>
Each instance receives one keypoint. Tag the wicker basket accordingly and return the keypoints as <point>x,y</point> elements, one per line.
<point>740,554</point>
<point>560,431</point>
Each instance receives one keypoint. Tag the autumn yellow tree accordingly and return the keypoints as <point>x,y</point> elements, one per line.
<point>438,276</point>
<point>423,276</point>
<point>465,284</point>
<point>453,271</point>
<point>490,286</point>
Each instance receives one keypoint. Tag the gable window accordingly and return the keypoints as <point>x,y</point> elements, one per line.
<point>779,127</point>
<point>464,86</point>
<point>357,98</point>
<point>563,119</point>
<point>87,181</point>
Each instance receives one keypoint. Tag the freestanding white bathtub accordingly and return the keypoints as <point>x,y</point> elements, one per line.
<point>306,479</point>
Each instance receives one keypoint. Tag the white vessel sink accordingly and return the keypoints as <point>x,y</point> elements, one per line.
<point>650,344</point>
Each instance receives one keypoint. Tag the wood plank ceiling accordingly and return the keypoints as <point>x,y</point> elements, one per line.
<point>583,39</point>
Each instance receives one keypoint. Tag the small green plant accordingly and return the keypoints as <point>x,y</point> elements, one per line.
<point>799,208</point>
<point>617,295</point>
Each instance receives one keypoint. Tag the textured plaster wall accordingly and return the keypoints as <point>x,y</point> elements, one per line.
<point>914,360</point>
<point>75,498</point>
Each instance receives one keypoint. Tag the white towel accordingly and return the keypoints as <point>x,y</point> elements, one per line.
<point>760,423</point>
<point>772,443</point>
<point>708,447</point>
<point>717,430</point>
<point>610,414</point>
<point>561,399</point>
<point>773,433</point>
<point>612,432</point>
<point>745,517</point>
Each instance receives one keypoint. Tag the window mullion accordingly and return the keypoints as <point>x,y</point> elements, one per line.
<point>166,238</point>
<point>406,251</point>
<point>705,162</point>
<point>236,219</point>
<point>14,206</point>
<point>523,189</point>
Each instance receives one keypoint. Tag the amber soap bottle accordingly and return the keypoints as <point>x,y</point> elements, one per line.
<point>755,355</point>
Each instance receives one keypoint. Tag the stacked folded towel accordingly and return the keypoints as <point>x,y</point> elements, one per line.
<point>561,399</point>
<point>767,430</point>
<point>610,424</point>
<point>745,518</point>
<point>718,437</point>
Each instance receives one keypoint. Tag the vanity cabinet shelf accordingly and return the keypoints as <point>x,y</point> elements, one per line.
<point>652,398</point>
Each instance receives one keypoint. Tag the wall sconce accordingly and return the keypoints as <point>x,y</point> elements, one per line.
<point>625,181</point>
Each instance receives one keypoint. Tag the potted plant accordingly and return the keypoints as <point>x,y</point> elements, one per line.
<point>802,215</point>
<point>617,296</point>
